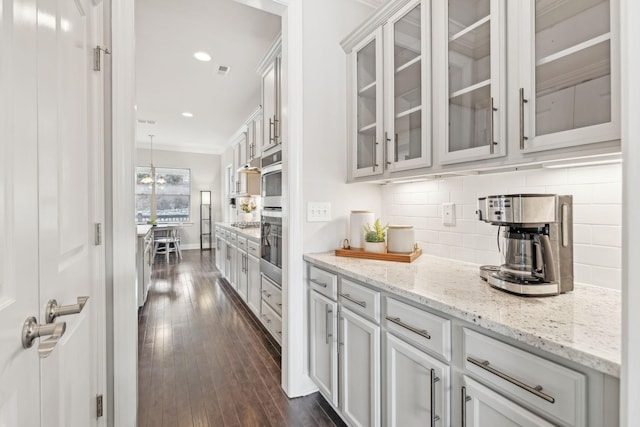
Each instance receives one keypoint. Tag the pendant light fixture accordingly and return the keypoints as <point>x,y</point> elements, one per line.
<point>150,178</point>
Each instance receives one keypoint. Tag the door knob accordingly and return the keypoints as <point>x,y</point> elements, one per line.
<point>54,310</point>
<point>32,330</point>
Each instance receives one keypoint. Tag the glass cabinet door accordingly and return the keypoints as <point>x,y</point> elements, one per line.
<point>367,156</point>
<point>407,117</point>
<point>475,77</point>
<point>567,96</point>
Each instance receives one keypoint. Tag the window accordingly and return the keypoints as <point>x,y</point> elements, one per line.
<point>173,194</point>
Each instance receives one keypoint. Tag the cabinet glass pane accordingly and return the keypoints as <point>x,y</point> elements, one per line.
<point>469,29</point>
<point>408,87</point>
<point>367,91</point>
<point>469,117</point>
<point>573,64</point>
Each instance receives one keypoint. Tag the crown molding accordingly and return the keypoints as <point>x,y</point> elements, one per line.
<point>181,148</point>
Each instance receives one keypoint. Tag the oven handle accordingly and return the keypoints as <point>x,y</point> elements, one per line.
<point>271,169</point>
<point>272,213</point>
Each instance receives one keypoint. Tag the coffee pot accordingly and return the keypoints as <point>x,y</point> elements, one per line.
<point>538,242</point>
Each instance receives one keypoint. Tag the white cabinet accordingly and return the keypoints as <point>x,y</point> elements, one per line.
<point>323,348</point>
<point>390,92</point>
<point>483,407</point>
<point>359,370</point>
<point>242,275</point>
<point>270,70</point>
<point>254,136</point>
<point>254,296</point>
<point>567,73</point>
<point>417,386</point>
<point>472,48</point>
<point>271,307</point>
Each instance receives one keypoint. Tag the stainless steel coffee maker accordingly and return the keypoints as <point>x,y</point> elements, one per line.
<point>538,243</point>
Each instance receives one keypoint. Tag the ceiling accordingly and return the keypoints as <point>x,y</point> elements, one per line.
<point>171,81</point>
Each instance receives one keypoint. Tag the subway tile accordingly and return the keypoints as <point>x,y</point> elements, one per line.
<point>469,211</point>
<point>607,277</point>
<point>451,239</point>
<point>608,193</point>
<point>582,193</point>
<point>545,177</point>
<point>595,174</point>
<point>582,273</point>
<point>604,235</point>
<point>428,236</point>
<point>582,234</point>
<point>457,197</point>
<point>488,258</point>
<point>466,255</point>
<point>470,241</point>
<point>410,198</point>
<point>602,256</point>
<point>437,197</point>
<point>597,214</point>
<point>438,250</point>
<point>450,184</point>
<point>524,190</point>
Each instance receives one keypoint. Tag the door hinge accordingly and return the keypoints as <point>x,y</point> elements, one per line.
<point>96,56</point>
<point>98,234</point>
<point>99,406</point>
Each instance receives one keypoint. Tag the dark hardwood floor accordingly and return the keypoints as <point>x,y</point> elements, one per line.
<point>204,360</point>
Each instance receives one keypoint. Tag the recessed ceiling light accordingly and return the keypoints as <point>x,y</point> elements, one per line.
<point>187,114</point>
<point>202,56</point>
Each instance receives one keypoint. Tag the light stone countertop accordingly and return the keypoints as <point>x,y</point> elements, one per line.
<point>142,230</point>
<point>583,326</point>
<point>250,233</point>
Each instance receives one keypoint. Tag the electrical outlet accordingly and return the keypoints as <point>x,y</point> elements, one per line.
<point>318,211</point>
<point>448,214</point>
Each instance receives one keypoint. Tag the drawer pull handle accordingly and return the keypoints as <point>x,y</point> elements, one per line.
<point>536,390</point>
<point>355,301</point>
<point>434,380</point>
<point>324,285</point>
<point>397,321</point>
<point>463,406</point>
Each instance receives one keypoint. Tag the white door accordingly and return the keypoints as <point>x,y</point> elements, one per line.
<point>323,357</point>
<point>50,147</point>
<point>417,386</point>
<point>484,407</point>
<point>359,370</point>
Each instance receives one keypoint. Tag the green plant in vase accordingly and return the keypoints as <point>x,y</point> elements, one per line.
<point>374,237</point>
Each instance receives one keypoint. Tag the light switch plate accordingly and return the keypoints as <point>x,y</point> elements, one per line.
<point>448,214</point>
<point>318,211</point>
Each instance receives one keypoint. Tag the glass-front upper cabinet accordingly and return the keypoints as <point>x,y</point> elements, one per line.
<point>567,75</point>
<point>390,63</point>
<point>367,157</point>
<point>475,81</point>
<point>407,97</point>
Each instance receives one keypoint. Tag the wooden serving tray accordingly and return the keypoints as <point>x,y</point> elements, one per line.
<point>360,253</point>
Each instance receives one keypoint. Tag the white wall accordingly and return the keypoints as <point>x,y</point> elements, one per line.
<point>597,204</point>
<point>326,23</point>
<point>205,176</point>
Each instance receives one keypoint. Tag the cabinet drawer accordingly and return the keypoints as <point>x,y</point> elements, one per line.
<point>272,321</point>
<point>360,299</point>
<point>242,243</point>
<point>324,282</point>
<point>272,295</point>
<point>226,234</point>
<point>426,330</point>
<point>233,238</point>
<point>253,248</point>
<point>544,385</point>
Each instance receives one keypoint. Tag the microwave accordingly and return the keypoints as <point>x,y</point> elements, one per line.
<point>271,174</point>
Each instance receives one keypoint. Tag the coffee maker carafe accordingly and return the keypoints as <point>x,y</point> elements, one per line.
<point>538,243</point>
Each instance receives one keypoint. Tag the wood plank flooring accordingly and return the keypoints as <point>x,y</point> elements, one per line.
<point>204,359</point>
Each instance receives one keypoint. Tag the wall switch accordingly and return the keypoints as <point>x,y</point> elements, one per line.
<point>448,214</point>
<point>318,211</point>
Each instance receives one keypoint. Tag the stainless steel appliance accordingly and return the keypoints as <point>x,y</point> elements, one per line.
<point>538,242</point>
<point>272,180</point>
<point>271,244</point>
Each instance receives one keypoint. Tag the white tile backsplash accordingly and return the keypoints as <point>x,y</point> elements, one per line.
<point>597,192</point>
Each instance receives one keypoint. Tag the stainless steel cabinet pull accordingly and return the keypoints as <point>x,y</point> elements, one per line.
<point>397,321</point>
<point>463,406</point>
<point>355,301</point>
<point>324,285</point>
<point>386,145</point>
<point>522,102</point>
<point>271,125</point>
<point>327,312</point>
<point>32,330</point>
<point>536,390</point>
<point>434,380</point>
<point>54,310</point>
<point>375,154</point>
<point>492,142</point>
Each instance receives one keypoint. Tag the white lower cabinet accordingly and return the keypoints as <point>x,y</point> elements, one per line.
<point>417,386</point>
<point>482,407</point>
<point>323,349</point>
<point>243,276</point>
<point>359,370</point>
<point>253,285</point>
